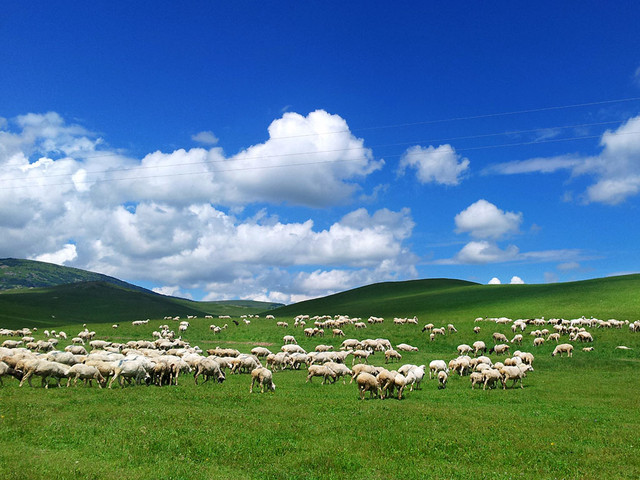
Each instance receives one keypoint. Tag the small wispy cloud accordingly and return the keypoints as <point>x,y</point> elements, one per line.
<point>207,138</point>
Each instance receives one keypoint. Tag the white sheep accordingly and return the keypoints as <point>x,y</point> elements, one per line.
<point>44,369</point>
<point>514,373</point>
<point>86,373</point>
<point>367,382</point>
<point>563,348</point>
<point>289,340</point>
<point>435,366</point>
<point>391,355</point>
<point>321,371</point>
<point>406,347</point>
<point>264,377</point>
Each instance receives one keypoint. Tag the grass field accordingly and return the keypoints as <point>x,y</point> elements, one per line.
<point>576,417</point>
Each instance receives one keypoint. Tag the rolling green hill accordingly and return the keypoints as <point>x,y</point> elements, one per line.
<point>454,299</point>
<point>100,302</point>
<point>19,273</point>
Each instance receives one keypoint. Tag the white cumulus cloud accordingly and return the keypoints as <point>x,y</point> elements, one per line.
<point>494,281</point>
<point>515,280</point>
<point>483,219</point>
<point>66,254</point>
<point>435,165</point>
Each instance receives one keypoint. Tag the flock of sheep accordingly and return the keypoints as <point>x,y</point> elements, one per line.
<point>163,358</point>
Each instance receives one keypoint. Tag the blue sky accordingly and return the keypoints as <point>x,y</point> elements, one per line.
<point>287,151</point>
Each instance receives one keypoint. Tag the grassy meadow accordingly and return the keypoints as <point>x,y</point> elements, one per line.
<point>576,417</point>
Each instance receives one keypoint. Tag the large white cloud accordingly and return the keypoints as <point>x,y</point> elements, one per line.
<point>435,165</point>
<point>483,219</point>
<point>167,218</point>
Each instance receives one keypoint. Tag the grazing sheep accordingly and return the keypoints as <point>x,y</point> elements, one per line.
<point>563,348</point>
<point>45,369</point>
<point>86,373</point>
<point>264,377</point>
<point>517,339</point>
<point>437,365</point>
<point>364,368</point>
<point>464,349</point>
<point>476,330</point>
<point>442,379</point>
<point>130,370</point>
<point>587,349</point>
<point>415,376</point>
<point>451,328</point>
<point>208,367</point>
<point>514,373</point>
<point>321,371</point>
<point>478,347</point>
<point>391,355</point>
<point>490,377</point>
<point>289,340</point>
<point>7,370</point>
<point>406,347</point>
<point>360,354</point>
<point>337,332</point>
<point>475,377</point>
<point>367,382</point>
<point>400,382</point>
<point>340,370</point>
<point>499,349</point>
<point>499,337</point>
<point>260,351</point>
<point>538,341</point>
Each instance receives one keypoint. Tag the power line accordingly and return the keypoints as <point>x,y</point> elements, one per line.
<point>317,152</point>
<point>264,167</point>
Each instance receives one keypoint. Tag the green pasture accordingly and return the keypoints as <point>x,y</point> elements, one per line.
<point>576,418</point>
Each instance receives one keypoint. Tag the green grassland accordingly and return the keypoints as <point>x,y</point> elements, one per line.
<point>576,417</point>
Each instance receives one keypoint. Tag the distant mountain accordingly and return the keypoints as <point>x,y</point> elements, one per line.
<point>17,273</point>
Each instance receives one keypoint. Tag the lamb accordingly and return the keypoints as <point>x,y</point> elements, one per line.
<point>442,379</point>
<point>321,371</point>
<point>289,340</point>
<point>563,348</point>
<point>264,377</point>
<point>406,347</point>
<point>367,382</point>
<point>587,349</point>
<point>86,373</point>
<point>437,365</point>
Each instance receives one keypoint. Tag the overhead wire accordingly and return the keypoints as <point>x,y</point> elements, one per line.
<point>316,152</point>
